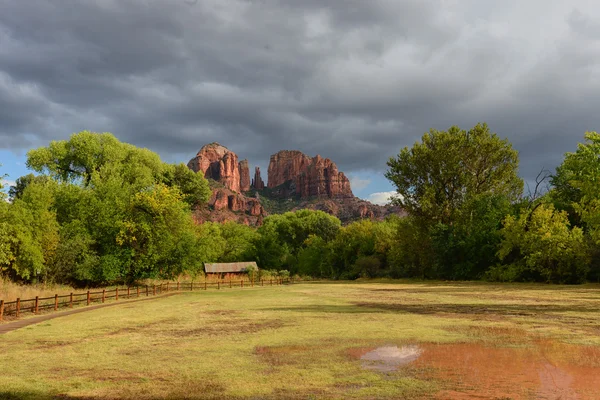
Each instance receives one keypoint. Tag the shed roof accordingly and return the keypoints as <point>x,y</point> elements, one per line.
<point>219,268</point>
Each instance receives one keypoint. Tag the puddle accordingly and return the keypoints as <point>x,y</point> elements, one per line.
<point>543,370</point>
<point>389,358</point>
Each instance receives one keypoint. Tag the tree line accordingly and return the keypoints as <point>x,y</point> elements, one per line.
<point>101,211</point>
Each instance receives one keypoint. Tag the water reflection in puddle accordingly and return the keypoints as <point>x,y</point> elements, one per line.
<point>389,358</point>
<point>540,371</point>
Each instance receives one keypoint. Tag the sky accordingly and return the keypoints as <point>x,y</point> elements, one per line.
<point>351,80</point>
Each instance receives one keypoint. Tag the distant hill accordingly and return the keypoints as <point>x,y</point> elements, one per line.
<point>295,181</point>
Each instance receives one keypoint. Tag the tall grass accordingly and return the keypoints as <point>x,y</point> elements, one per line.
<point>10,291</point>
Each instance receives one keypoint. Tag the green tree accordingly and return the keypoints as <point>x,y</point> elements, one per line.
<point>314,259</point>
<point>467,248</point>
<point>87,155</point>
<point>577,184</point>
<point>283,236</point>
<point>541,245</point>
<point>210,245</point>
<point>33,232</point>
<point>158,235</point>
<point>438,175</point>
<point>124,214</point>
<point>16,191</point>
<point>239,242</point>
<point>193,186</point>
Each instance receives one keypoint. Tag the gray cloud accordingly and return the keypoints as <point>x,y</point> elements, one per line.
<point>351,80</point>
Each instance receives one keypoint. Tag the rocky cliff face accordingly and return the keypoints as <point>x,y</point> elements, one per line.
<point>286,166</point>
<point>293,172</point>
<point>295,181</point>
<point>244,176</point>
<point>257,182</point>
<point>227,202</point>
<point>221,164</point>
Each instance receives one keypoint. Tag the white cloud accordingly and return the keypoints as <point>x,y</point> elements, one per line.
<point>7,183</point>
<point>357,183</point>
<point>381,198</point>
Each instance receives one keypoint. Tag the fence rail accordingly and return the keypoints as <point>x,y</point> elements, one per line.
<point>54,303</point>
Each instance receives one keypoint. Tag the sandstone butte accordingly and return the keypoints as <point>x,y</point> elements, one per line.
<point>221,164</point>
<point>309,177</point>
<point>314,183</point>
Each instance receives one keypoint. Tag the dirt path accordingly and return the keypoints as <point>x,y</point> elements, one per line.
<point>11,326</point>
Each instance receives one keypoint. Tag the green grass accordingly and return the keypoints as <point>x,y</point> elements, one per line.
<point>283,342</point>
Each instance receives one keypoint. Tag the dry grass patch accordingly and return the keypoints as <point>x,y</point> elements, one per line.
<point>304,341</point>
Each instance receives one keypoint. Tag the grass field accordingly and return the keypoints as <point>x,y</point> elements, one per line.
<point>311,341</point>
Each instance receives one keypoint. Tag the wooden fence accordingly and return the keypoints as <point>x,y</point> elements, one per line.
<point>54,303</point>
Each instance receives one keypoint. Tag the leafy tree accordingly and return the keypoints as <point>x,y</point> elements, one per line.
<point>193,186</point>
<point>437,176</point>
<point>467,248</point>
<point>157,234</point>
<point>541,245</point>
<point>412,254</point>
<point>33,232</point>
<point>366,266</point>
<point>16,191</point>
<point>239,242</point>
<point>577,181</point>
<point>314,259</point>
<point>87,155</point>
<point>124,214</point>
<point>352,242</point>
<point>209,242</point>
<point>283,236</point>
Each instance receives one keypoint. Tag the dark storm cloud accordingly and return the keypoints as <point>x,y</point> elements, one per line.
<point>351,80</point>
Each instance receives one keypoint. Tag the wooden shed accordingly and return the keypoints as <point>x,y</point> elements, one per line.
<point>228,268</point>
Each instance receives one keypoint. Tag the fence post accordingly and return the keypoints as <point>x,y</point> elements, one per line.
<point>137,288</point>
<point>154,290</point>
<point>103,295</point>
<point>88,297</point>
<point>55,302</point>
<point>178,286</point>
<point>230,283</point>
<point>219,284</point>
<point>191,286</point>
<point>204,283</point>
<point>252,282</point>
<point>71,301</point>
<point>117,293</point>
<point>146,290</point>
<point>128,292</point>
<point>242,283</point>
<point>1,309</point>
<point>18,306</point>
<point>37,304</point>
<point>167,287</point>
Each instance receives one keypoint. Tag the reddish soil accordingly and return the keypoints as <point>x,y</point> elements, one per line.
<point>546,370</point>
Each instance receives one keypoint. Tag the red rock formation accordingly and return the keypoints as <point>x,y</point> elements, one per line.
<point>255,208</point>
<point>307,177</point>
<point>236,202</point>
<point>257,182</point>
<point>322,179</point>
<point>286,166</point>
<point>226,205</point>
<point>244,176</point>
<point>219,163</point>
<point>365,212</point>
<point>219,200</point>
<point>304,182</point>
